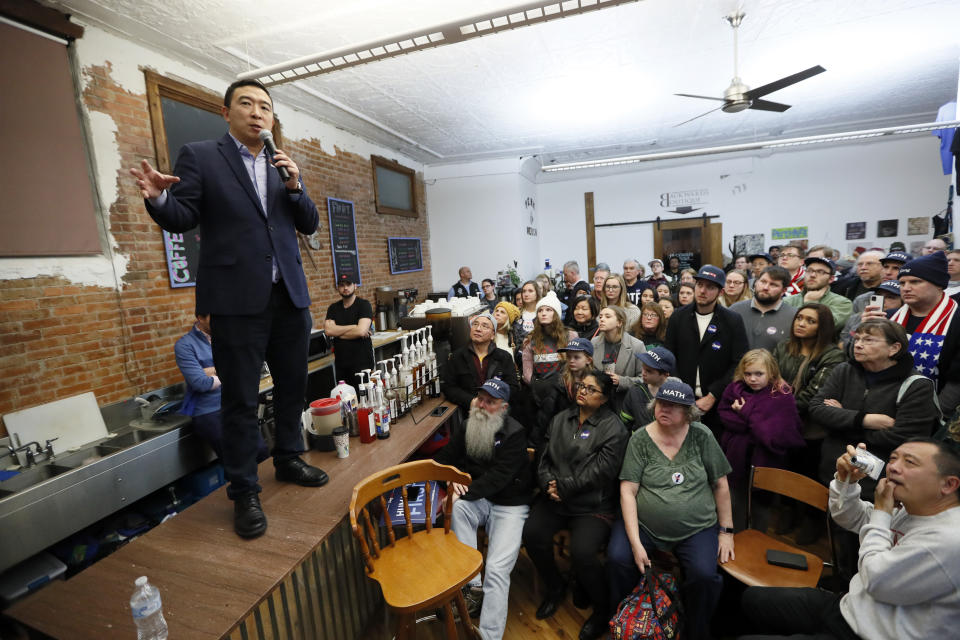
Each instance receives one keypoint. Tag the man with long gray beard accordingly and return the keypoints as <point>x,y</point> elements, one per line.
<point>492,447</point>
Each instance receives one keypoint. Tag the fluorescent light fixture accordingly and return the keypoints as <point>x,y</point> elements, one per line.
<point>426,38</point>
<point>752,146</point>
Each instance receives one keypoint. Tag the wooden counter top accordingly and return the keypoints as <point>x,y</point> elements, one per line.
<point>209,578</point>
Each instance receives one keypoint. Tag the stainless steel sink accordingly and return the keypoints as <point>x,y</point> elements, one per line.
<point>46,503</point>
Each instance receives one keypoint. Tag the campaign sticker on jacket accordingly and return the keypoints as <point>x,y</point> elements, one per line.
<point>677,478</point>
<point>715,346</point>
<point>496,443</point>
<point>771,331</point>
<point>711,328</point>
<point>584,434</point>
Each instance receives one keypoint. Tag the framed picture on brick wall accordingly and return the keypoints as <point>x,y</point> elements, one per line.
<point>394,188</point>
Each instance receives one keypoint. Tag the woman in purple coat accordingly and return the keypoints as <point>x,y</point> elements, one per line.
<point>760,419</point>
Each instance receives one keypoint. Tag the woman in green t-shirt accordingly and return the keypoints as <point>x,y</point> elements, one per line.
<point>674,496</point>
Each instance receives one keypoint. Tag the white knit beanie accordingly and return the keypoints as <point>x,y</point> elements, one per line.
<point>551,300</point>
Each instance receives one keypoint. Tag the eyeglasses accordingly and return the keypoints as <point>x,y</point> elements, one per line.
<point>588,389</point>
<point>650,316</point>
<point>790,255</point>
<point>819,272</point>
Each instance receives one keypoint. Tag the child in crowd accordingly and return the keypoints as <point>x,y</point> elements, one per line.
<point>761,424</point>
<point>561,393</point>
<point>657,364</point>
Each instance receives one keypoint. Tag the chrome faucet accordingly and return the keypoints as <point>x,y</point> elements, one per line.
<point>31,455</point>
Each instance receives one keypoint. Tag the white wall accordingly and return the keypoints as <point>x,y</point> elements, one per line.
<point>821,188</point>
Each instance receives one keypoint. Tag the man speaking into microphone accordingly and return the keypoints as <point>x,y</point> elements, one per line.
<point>250,280</point>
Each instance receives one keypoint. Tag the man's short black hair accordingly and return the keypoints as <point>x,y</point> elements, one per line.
<point>228,96</point>
<point>777,273</point>
<point>486,280</point>
<point>946,458</point>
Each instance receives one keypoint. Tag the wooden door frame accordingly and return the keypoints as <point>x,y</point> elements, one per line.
<point>711,250</point>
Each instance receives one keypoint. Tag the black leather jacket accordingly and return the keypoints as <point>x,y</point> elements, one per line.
<point>585,460</point>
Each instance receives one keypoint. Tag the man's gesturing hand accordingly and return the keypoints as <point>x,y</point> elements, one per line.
<point>150,181</point>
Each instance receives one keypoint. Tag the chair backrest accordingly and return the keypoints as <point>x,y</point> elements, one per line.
<point>376,486</point>
<point>790,484</point>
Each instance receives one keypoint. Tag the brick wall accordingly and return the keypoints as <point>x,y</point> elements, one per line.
<point>58,339</point>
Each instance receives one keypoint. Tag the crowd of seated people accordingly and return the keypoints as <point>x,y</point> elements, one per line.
<point>646,401</point>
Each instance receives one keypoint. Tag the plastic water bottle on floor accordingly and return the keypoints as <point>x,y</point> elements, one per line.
<point>148,611</point>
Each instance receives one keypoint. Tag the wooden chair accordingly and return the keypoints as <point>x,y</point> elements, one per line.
<point>423,569</point>
<point>750,545</point>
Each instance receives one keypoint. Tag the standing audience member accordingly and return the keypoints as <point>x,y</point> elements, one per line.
<point>674,497</point>
<point>816,288</point>
<point>953,271</point>
<point>652,328</point>
<point>740,263</point>
<point>907,585</point>
<point>806,359</point>
<point>465,287</point>
<point>492,447</point>
<point>529,294</point>
<point>633,280</point>
<point>259,308</point>
<point>663,290</point>
<point>348,322</point>
<point>891,264</point>
<point>648,296</point>
<point>540,356</point>
<point>572,286</point>
<point>615,293</point>
<point>931,321</point>
<point>585,313</point>
<point>708,342</point>
<point>866,400</point>
<point>577,477</point>
<point>668,306</point>
<point>657,276</point>
<point>761,426</point>
<point>766,318</point>
<point>933,246</point>
<point>688,276</point>
<point>869,275</point>
<point>489,294</point>
<point>759,262</point>
<point>657,365</point>
<point>735,289</point>
<point>685,294</point>
<point>672,272</point>
<point>791,259</point>
<point>614,351</point>
<point>774,252</point>
<point>599,276</point>
<point>473,364</point>
<point>507,315</point>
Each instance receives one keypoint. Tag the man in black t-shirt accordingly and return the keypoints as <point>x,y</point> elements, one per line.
<point>348,323</point>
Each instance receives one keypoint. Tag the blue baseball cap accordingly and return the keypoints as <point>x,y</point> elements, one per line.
<point>713,274</point>
<point>826,261</point>
<point>579,344</point>
<point>765,256</point>
<point>497,388</point>
<point>659,358</point>
<point>897,256</point>
<point>890,286</point>
<point>676,392</point>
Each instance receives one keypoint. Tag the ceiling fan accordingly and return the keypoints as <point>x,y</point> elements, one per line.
<point>739,96</point>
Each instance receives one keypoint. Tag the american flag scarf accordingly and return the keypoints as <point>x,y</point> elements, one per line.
<point>796,283</point>
<point>926,341</point>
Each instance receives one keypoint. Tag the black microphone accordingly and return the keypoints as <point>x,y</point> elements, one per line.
<point>267,139</point>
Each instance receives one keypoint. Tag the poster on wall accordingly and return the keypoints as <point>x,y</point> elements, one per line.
<point>748,245</point>
<point>856,230</point>
<point>918,226</point>
<point>788,233</point>
<point>343,239</point>
<point>887,228</point>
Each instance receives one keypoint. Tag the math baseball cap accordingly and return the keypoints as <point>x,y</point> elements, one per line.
<point>497,388</point>
<point>579,344</point>
<point>658,358</point>
<point>676,392</point>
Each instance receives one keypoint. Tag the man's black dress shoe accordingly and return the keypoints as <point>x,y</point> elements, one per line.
<point>550,604</point>
<point>595,626</point>
<point>298,471</point>
<point>248,518</point>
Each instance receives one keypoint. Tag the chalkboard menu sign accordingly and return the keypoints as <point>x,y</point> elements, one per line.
<point>343,239</point>
<point>186,123</point>
<point>405,255</point>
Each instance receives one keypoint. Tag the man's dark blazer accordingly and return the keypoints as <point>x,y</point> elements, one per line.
<point>235,275</point>
<point>724,343</point>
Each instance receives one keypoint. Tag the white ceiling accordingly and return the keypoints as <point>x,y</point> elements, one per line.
<point>593,85</point>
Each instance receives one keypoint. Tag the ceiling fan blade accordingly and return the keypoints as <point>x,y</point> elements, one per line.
<point>690,95</point>
<point>695,117</point>
<point>766,105</point>
<point>776,85</point>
